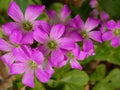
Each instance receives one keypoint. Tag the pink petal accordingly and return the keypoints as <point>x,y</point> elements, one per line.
<point>76,50</point>
<point>82,55</point>
<point>75,65</point>
<point>28,78</point>
<point>91,23</point>
<point>104,16</point>
<point>115,42</point>
<point>17,68</point>
<point>111,24</point>
<point>96,35</point>
<point>40,36</point>
<point>107,36</point>
<point>16,36</point>
<point>33,11</point>
<point>65,12</point>
<point>42,75</point>
<point>37,56</point>
<point>57,31</point>
<point>88,45</point>
<point>57,58</point>
<point>93,3</point>
<point>8,58</point>
<point>118,24</point>
<point>4,46</point>
<point>43,25</point>
<point>27,38</point>
<point>9,27</point>
<point>44,50</point>
<point>15,12</point>
<point>66,43</point>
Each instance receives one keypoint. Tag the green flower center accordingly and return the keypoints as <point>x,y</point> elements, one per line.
<point>33,64</point>
<point>70,55</point>
<point>117,31</point>
<point>52,45</point>
<point>27,26</point>
<point>84,34</point>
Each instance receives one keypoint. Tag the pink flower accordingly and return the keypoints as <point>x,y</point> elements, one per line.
<point>54,44</point>
<point>113,33</point>
<point>31,62</point>
<point>22,29</point>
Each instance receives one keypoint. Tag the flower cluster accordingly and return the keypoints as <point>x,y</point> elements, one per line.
<point>35,47</point>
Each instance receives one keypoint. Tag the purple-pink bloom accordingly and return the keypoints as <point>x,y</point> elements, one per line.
<point>113,33</point>
<point>54,44</point>
<point>86,31</point>
<point>62,18</point>
<point>31,62</point>
<point>74,55</point>
<point>24,25</point>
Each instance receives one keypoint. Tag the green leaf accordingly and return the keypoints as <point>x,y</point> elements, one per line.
<point>111,82</point>
<point>73,87</point>
<point>76,77</point>
<point>112,7</point>
<point>99,73</point>
<point>22,3</point>
<point>4,4</point>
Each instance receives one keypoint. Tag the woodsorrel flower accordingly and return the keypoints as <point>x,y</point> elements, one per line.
<point>54,44</point>
<point>24,25</point>
<point>31,62</point>
<point>62,18</point>
<point>85,32</point>
<point>113,33</point>
<point>74,55</point>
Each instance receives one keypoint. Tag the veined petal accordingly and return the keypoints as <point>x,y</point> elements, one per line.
<point>4,46</point>
<point>96,35</point>
<point>90,24</point>
<point>16,36</point>
<point>15,12</point>
<point>65,12</point>
<point>75,65</point>
<point>57,31</point>
<point>8,59</point>
<point>66,43</point>
<point>9,27</point>
<point>17,68</point>
<point>76,50</point>
<point>27,38</point>
<point>115,42</point>
<point>111,24</point>
<point>28,78</point>
<point>40,36</point>
<point>42,75</point>
<point>37,56</point>
<point>43,25</point>
<point>33,11</point>
<point>107,36</point>
<point>57,58</point>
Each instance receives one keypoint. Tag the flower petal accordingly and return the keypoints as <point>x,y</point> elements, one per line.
<point>15,12</point>
<point>4,46</point>
<point>91,23</point>
<point>65,12</point>
<point>8,59</point>
<point>82,55</point>
<point>75,65</point>
<point>66,43</point>
<point>16,36</point>
<point>44,50</point>
<point>57,58</point>
<point>40,36</point>
<point>57,31</point>
<point>111,24</point>
<point>43,25</point>
<point>17,68</point>
<point>107,36</point>
<point>9,27</point>
<point>115,42</point>
<point>37,56</point>
<point>42,75</point>
<point>28,78</point>
<point>96,35</point>
<point>104,16</point>
<point>76,50</point>
<point>27,38</point>
<point>33,11</point>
